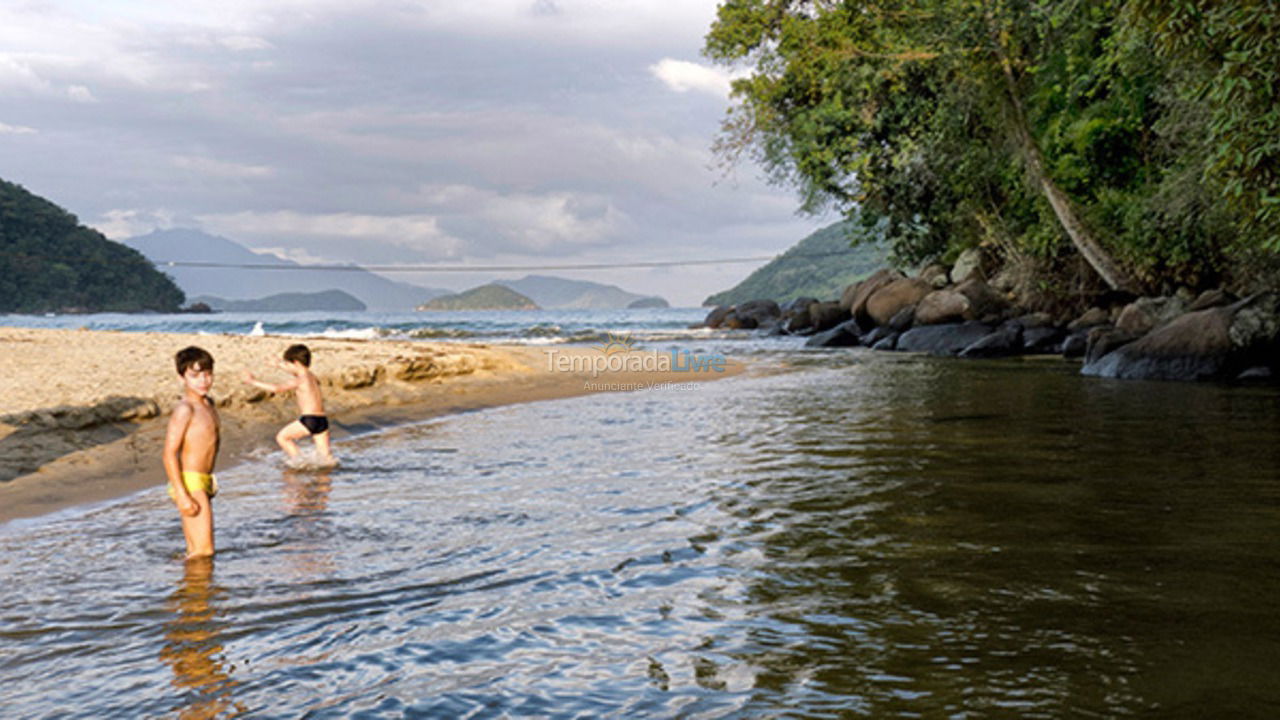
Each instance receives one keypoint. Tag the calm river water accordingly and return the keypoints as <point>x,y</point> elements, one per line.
<point>855,535</point>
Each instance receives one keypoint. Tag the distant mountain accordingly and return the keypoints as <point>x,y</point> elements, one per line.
<point>185,245</point>
<point>287,302</point>
<point>49,262</point>
<point>554,293</point>
<point>485,297</point>
<point>819,266</point>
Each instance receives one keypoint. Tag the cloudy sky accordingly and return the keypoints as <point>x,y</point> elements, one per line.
<point>393,131</point>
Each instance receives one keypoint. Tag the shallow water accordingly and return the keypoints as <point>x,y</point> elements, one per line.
<point>859,535</point>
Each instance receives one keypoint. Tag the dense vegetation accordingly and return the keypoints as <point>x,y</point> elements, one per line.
<point>1130,144</point>
<point>51,263</point>
<point>819,266</point>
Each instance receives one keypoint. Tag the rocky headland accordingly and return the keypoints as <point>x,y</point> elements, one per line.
<point>959,312</point>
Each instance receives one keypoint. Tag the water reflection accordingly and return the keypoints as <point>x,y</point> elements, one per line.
<point>193,646</point>
<point>306,508</point>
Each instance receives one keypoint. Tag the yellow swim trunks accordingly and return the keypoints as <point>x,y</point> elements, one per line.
<point>194,481</point>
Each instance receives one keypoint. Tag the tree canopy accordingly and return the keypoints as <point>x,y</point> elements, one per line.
<point>1140,136</point>
<point>51,263</point>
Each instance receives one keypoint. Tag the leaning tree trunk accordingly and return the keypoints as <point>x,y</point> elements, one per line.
<point>1097,257</point>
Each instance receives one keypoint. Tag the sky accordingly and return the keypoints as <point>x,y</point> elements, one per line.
<point>481,132</point>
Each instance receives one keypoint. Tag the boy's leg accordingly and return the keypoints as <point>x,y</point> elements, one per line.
<point>198,528</point>
<point>289,435</point>
<point>322,445</point>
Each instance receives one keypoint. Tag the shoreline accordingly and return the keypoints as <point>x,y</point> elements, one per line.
<point>83,413</point>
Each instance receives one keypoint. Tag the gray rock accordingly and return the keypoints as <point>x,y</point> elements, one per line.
<point>826,315</point>
<point>795,315</point>
<point>843,335</point>
<point>1145,314</point>
<point>888,343</point>
<point>984,300</point>
<point>943,339</point>
<point>716,317</point>
<point>1075,344</point>
<point>903,319</point>
<point>936,275</point>
<point>1210,299</point>
<point>1044,340</point>
<point>1091,317</point>
<point>1217,343</point>
<point>970,261</point>
<point>1104,339</point>
<point>1004,342</point>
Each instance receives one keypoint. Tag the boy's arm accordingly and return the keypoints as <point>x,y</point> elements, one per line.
<point>173,438</point>
<point>282,387</point>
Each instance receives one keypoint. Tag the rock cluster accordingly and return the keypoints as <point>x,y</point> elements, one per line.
<point>958,313</point>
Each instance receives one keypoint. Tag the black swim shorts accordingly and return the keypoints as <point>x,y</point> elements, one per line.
<point>315,424</point>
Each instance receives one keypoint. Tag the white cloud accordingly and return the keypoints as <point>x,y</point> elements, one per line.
<point>120,223</point>
<point>241,43</point>
<point>80,93</point>
<point>221,168</point>
<point>683,76</point>
<point>302,256</point>
<point>555,221</point>
<point>416,232</point>
<point>16,129</point>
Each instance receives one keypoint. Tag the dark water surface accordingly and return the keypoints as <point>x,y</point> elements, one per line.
<point>861,535</point>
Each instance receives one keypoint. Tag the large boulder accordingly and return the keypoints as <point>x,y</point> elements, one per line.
<point>1004,342</point>
<point>1211,298</point>
<point>942,306</point>
<point>1092,317</point>
<point>857,295</point>
<point>753,314</point>
<point>936,275</point>
<point>795,315</point>
<point>826,315</point>
<point>985,302</point>
<point>1218,343</point>
<point>1103,339</point>
<point>716,317</point>
<point>888,300</point>
<point>943,339</point>
<point>972,262</point>
<point>1145,314</point>
<point>1042,340</point>
<point>843,335</point>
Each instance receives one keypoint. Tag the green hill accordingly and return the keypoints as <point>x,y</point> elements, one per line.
<point>329,300</point>
<point>819,266</point>
<point>49,262</point>
<point>485,297</point>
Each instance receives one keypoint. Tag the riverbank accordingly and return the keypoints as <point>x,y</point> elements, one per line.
<point>82,412</point>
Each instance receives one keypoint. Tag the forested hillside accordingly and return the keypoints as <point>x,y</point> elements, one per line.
<point>819,266</point>
<point>51,263</point>
<point>1123,145</point>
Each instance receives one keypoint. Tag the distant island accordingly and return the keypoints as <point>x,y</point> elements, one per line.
<point>49,262</point>
<point>485,297</point>
<point>556,293</point>
<point>330,300</point>
<point>820,266</point>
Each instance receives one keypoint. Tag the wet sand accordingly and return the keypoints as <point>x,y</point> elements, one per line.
<point>82,413</point>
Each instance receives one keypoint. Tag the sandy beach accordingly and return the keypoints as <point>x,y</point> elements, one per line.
<point>82,413</point>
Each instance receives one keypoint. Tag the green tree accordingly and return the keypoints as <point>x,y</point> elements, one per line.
<point>860,102</point>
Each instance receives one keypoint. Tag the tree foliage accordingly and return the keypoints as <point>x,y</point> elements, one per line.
<point>51,263</point>
<point>1030,126</point>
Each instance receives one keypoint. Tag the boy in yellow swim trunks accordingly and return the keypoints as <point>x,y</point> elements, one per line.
<point>191,448</point>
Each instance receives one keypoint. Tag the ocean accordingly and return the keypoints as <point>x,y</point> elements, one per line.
<point>837,533</point>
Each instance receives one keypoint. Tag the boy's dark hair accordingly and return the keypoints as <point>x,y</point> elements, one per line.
<point>192,356</point>
<point>299,354</point>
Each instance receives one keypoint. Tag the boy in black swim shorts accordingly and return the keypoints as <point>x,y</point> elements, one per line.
<point>313,422</point>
